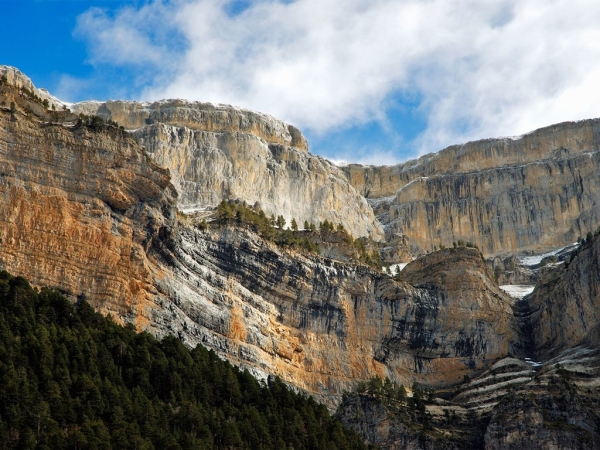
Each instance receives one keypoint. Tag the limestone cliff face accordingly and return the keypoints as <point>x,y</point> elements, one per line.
<point>79,209</point>
<point>513,406</point>
<point>553,420</point>
<point>553,142</point>
<point>321,324</point>
<point>197,116</point>
<point>462,280</point>
<point>216,152</point>
<point>532,193</point>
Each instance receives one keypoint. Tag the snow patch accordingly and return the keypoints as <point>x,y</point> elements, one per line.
<point>374,202</point>
<point>338,162</point>
<point>535,260</point>
<point>517,290</point>
<point>400,267</point>
<point>195,209</point>
<point>533,363</point>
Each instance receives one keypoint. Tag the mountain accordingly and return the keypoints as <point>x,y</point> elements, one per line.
<point>159,215</point>
<point>547,397</point>
<point>218,151</point>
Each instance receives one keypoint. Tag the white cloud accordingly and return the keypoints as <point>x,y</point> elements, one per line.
<point>481,69</point>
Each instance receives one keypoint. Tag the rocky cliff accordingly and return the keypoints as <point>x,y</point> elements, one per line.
<point>563,310</point>
<point>547,398</point>
<point>217,152</point>
<point>533,193</point>
<point>84,209</point>
<point>516,405</point>
<point>79,207</point>
<point>324,324</point>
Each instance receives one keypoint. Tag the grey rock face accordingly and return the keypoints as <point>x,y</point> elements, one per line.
<point>535,193</point>
<point>563,310</point>
<point>551,420</point>
<point>217,152</point>
<point>319,324</point>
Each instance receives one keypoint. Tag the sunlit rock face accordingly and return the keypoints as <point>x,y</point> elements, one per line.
<point>535,193</point>
<point>217,152</point>
<point>80,209</point>
<point>89,211</point>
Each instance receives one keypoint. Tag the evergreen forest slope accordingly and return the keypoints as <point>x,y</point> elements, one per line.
<point>72,378</point>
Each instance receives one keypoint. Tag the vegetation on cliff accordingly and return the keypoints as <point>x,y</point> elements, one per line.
<point>409,409</point>
<point>309,239</point>
<point>71,378</point>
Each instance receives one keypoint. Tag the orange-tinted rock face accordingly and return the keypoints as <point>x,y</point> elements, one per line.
<point>79,209</point>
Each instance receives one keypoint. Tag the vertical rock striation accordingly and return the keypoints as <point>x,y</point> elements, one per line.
<point>534,193</point>
<point>564,309</point>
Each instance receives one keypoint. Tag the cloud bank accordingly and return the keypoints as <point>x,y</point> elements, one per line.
<point>471,69</point>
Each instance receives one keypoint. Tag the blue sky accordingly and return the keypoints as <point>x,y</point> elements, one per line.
<point>372,81</point>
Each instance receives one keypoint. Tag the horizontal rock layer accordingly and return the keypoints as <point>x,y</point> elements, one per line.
<point>550,143</point>
<point>517,405</point>
<point>79,209</point>
<point>196,116</point>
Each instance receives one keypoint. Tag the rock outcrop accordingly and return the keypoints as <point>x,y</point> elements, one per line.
<point>517,404</point>
<point>545,396</point>
<point>533,193</point>
<point>79,208</point>
<point>322,324</point>
<point>217,152</point>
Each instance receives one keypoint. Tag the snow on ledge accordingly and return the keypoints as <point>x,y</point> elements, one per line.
<point>535,260</point>
<point>517,290</point>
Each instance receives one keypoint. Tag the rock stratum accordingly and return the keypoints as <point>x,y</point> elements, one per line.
<point>547,398</point>
<point>92,209</point>
<point>86,210</point>
<point>79,209</point>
